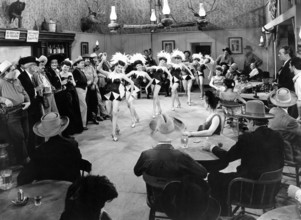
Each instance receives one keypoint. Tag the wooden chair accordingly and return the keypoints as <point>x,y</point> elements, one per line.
<point>85,166</point>
<point>254,194</point>
<point>154,189</point>
<point>229,114</point>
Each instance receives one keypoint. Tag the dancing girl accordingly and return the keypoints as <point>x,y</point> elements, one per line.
<point>137,76</point>
<point>159,74</point>
<point>114,90</point>
<point>177,68</point>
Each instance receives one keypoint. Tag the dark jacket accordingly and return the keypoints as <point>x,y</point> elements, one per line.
<point>57,159</point>
<point>165,161</point>
<point>80,78</point>
<point>260,151</point>
<point>53,78</point>
<point>285,77</point>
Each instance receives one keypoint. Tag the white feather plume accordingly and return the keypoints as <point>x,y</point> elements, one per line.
<point>197,56</point>
<point>178,53</point>
<point>210,58</point>
<point>137,56</point>
<point>119,57</point>
<point>165,55</point>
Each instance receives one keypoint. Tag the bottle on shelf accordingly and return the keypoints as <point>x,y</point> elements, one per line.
<point>49,49</point>
<point>54,49</point>
<point>62,49</point>
<point>58,49</point>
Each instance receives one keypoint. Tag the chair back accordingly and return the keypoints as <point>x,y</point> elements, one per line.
<point>154,189</point>
<point>85,166</point>
<point>255,194</point>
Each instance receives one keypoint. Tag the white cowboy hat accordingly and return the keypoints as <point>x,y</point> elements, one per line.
<point>283,98</point>
<point>255,110</point>
<point>4,66</point>
<point>51,125</point>
<point>166,128</point>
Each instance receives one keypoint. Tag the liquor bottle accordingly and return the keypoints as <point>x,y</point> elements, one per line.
<point>54,49</point>
<point>49,49</point>
<point>62,49</point>
<point>58,49</point>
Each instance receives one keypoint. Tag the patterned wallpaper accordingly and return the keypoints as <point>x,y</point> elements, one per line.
<point>228,14</point>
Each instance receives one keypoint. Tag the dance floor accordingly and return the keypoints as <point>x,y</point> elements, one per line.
<point>116,160</point>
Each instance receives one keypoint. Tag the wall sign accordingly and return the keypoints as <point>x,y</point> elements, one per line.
<point>12,35</point>
<point>32,36</point>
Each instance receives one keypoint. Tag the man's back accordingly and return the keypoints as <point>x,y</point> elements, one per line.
<point>165,161</point>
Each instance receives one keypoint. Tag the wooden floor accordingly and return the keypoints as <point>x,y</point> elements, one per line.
<point>116,160</point>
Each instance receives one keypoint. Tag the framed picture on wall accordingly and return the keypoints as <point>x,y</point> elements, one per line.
<point>235,45</point>
<point>168,45</point>
<point>84,48</point>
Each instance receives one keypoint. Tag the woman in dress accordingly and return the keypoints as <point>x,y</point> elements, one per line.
<point>217,81</point>
<point>114,90</point>
<point>75,119</point>
<point>198,69</point>
<point>158,77</point>
<point>137,76</point>
<point>177,69</point>
<point>213,124</point>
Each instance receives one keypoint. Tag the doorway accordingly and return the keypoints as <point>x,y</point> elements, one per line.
<point>204,48</point>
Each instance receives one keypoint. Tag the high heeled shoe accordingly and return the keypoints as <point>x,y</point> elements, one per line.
<point>115,138</point>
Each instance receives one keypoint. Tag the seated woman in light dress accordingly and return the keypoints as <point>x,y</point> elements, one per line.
<point>213,124</point>
<point>217,81</point>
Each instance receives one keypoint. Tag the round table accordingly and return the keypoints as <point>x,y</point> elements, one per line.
<point>261,96</point>
<point>53,201</point>
<point>282,213</point>
<point>195,145</point>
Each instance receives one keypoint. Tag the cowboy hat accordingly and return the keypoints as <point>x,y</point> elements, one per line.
<point>58,57</point>
<point>255,109</point>
<point>84,56</point>
<point>93,55</point>
<point>228,50</point>
<point>283,98</point>
<point>4,66</point>
<point>165,128</point>
<point>77,60</point>
<point>51,124</point>
<point>43,59</point>
<point>28,61</point>
<point>248,47</point>
<point>189,200</point>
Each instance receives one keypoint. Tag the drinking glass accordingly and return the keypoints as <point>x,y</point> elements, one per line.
<point>37,200</point>
<point>6,179</point>
<point>184,141</point>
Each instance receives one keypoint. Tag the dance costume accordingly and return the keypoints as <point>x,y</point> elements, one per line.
<point>113,90</point>
<point>158,76</point>
<point>137,78</point>
<point>176,71</point>
<point>186,75</point>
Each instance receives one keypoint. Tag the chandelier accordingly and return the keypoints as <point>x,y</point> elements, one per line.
<point>166,22</point>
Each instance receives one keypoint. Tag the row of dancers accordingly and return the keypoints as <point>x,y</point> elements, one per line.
<point>122,84</point>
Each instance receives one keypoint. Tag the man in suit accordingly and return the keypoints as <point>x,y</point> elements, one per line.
<point>28,66</point>
<point>164,160</point>
<point>287,126</point>
<point>260,151</point>
<point>57,159</point>
<point>295,66</point>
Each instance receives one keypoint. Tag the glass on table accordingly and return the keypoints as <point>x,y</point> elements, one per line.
<point>6,179</point>
<point>184,140</point>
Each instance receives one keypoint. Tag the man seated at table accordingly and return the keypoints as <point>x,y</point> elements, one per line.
<point>57,159</point>
<point>86,197</point>
<point>260,151</point>
<point>164,160</point>
<point>287,126</point>
<point>243,85</point>
<point>267,85</point>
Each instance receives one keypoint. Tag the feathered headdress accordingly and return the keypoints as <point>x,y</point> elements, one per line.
<point>164,55</point>
<point>119,57</point>
<point>137,58</point>
<point>177,53</point>
<point>198,56</point>
<point>211,60</point>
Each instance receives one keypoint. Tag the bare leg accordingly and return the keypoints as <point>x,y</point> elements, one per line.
<point>134,114</point>
<point>189,85</point>
<point>174,95</point>
<point>201,85</point>
<point>156,101</point>
<point>184,82</point>
<point>129,102</point>
<point>115,128</point>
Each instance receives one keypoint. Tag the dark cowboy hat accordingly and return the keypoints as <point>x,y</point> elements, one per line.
<point>84,56</point>
<point>29,59</point>
<point>255,109</point>
<point>186,200</point>
<point>228,50</point>
<point>58,57</point>
<point>283,98</point>
<point>248,47</point>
